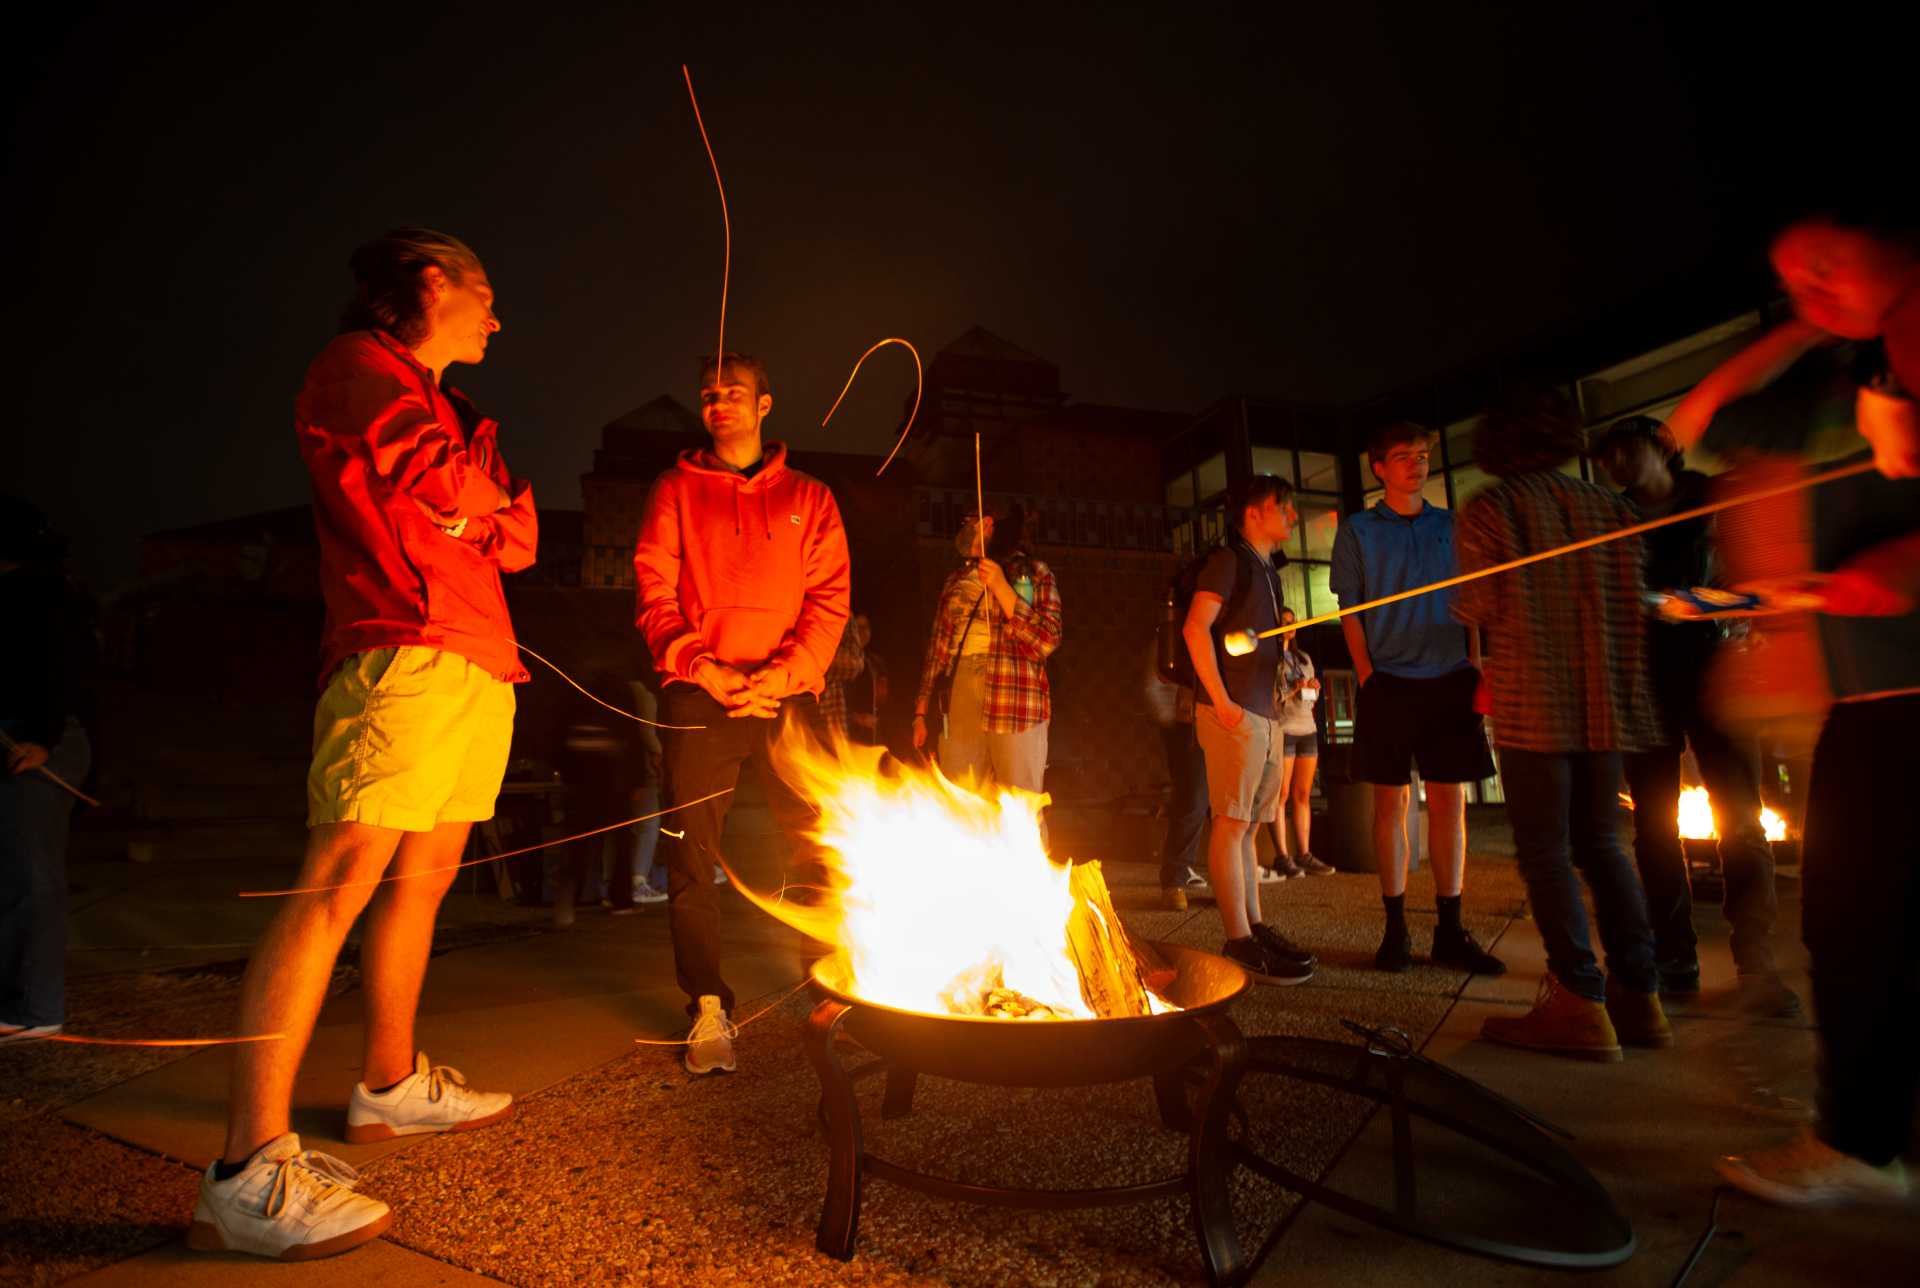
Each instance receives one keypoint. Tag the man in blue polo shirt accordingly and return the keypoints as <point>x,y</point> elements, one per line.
<point>1417,686</point>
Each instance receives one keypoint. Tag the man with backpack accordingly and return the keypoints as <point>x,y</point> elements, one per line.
<point>1238,589</point>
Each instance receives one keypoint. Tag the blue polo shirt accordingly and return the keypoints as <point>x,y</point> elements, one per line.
<point>1379,552</point>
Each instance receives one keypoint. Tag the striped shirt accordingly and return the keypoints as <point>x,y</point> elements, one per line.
<point>1017,693</point>
<point>1566,655</point>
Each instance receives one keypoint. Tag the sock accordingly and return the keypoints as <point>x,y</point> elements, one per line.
<point>1396,911</point>
<point>1449,909</point>
<point>225,1171</point>
<point>381,1091</point>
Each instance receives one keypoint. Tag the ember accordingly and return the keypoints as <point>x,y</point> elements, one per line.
<point>945,902</point>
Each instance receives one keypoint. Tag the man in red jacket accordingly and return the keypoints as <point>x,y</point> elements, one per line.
<point>742,579</point>
<point>417,517</point>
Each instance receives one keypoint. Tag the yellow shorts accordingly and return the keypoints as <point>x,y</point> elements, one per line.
<point>408,738</point>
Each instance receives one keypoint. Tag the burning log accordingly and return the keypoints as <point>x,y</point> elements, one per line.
<point>1110,978</point>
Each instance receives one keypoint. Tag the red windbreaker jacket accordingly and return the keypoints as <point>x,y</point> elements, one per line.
<point>750,570</point>
<point>382,441</point>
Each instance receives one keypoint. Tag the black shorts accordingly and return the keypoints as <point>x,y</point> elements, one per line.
<point>1432,721</point>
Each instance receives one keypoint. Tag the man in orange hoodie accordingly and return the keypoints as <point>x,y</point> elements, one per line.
<point>742,577</point>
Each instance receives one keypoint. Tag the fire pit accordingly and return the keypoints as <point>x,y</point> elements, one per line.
<point>1044,1053</point>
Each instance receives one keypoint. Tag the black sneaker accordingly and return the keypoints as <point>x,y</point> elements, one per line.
<point>1395,952</point>
<point>1460,950</point>
<point>1680,979</point>
<point>1282,947</point>
<point>1252,956</point>
<point>1315,867</point>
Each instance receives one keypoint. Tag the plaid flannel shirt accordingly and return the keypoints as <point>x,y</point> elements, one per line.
<point>848,661</point>
<point>1017,693</point>
<point>1566,659</point>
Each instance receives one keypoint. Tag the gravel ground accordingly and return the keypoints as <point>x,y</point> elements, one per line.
<point>635,1173</point>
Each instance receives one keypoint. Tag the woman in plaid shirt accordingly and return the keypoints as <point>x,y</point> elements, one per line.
<point>997,622</point>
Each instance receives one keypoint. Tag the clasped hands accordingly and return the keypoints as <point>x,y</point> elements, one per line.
<point>743,693</point>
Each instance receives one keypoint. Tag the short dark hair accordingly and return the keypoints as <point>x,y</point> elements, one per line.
<point>1384,438</point>
<point>388,294</point>
<point>1892,220</point>
<point>1254,491</point>
<point>1009,533</point>
<point>739,364</point>
<point>1628,430</point>
<point>1526,430</point>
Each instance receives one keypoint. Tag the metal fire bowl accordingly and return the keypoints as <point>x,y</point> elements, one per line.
<point>1049,1053</point>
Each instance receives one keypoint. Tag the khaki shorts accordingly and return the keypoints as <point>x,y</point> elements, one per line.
<point>409,738</point>
<point>1243,763</point>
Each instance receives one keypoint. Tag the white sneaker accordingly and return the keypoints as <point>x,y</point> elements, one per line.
<point>286,1203</point>
<point>1271,876</point>
<point>710,1045</point>
<point>1808,1172</point>
<point>719,875</point>
<point>647,894</point>
<point>30,1033</point>
<point>434,1098</point>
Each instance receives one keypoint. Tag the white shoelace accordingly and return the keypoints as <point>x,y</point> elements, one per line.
<point>441,1077</point>
<point>709,1027</point>
<point>310,1169</point>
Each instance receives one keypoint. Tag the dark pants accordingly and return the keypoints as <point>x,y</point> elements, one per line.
<point>1565,809</point>
<point>34,818</point>
<point>1186,803</point>
<point>598,797</point>
<point>699,762</point>
<point>1861,918</point>
<point>1731,771</point>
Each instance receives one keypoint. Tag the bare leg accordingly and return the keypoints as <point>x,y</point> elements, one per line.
<point>1280,846</point>
<point>1300,799</point>
<point>395,945</point>
<point>1390,837</point>
<point>286,978</point>
<point>1226,855</point>
<point>1446,837</point>
<point>1250,877</point>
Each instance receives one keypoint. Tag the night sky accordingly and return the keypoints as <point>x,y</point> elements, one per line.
<point>1315,202</point>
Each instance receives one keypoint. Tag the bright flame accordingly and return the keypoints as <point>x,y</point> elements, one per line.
<point>937,897</point>
<point>1696,817</point>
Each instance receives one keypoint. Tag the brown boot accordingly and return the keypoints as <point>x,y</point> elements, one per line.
<point>1561,1023</point>
<point>1638,1018</point>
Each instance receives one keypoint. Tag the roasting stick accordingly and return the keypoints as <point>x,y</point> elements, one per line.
<point>491,858</point>
<point>52,777</point>
<point>1240,643</point>
<point>979,500</point>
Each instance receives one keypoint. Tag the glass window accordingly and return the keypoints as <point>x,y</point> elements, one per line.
<point>1468,479</point>
<point>1368,498</point>
<point>1319,517</point>
<point>1319,593</point>
<point>1274,460</point>
<point>1364,472</point>
<point>1293,588</point>
<point>1212,476</point>
<point>1180,491</point>
<point>1435,490</point>
<point>1319,472</point>
<point>1460,440</point>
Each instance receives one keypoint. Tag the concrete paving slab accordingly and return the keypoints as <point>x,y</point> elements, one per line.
<point>379,1264</point>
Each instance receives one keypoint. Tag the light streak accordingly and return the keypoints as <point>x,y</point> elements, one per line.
<point>74,1039</point>
<point>919,384</point>
<point>726,225</point>
<point>490,858</point>
<point>608,705</point>
<point>1240,643</point>
<point>769,1007</point>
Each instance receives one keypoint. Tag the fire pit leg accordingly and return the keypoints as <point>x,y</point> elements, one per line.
<point>1210,1159</point>
<point>898,1101</point>
<point>839,1225</point>
<point>1170,1095</point>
